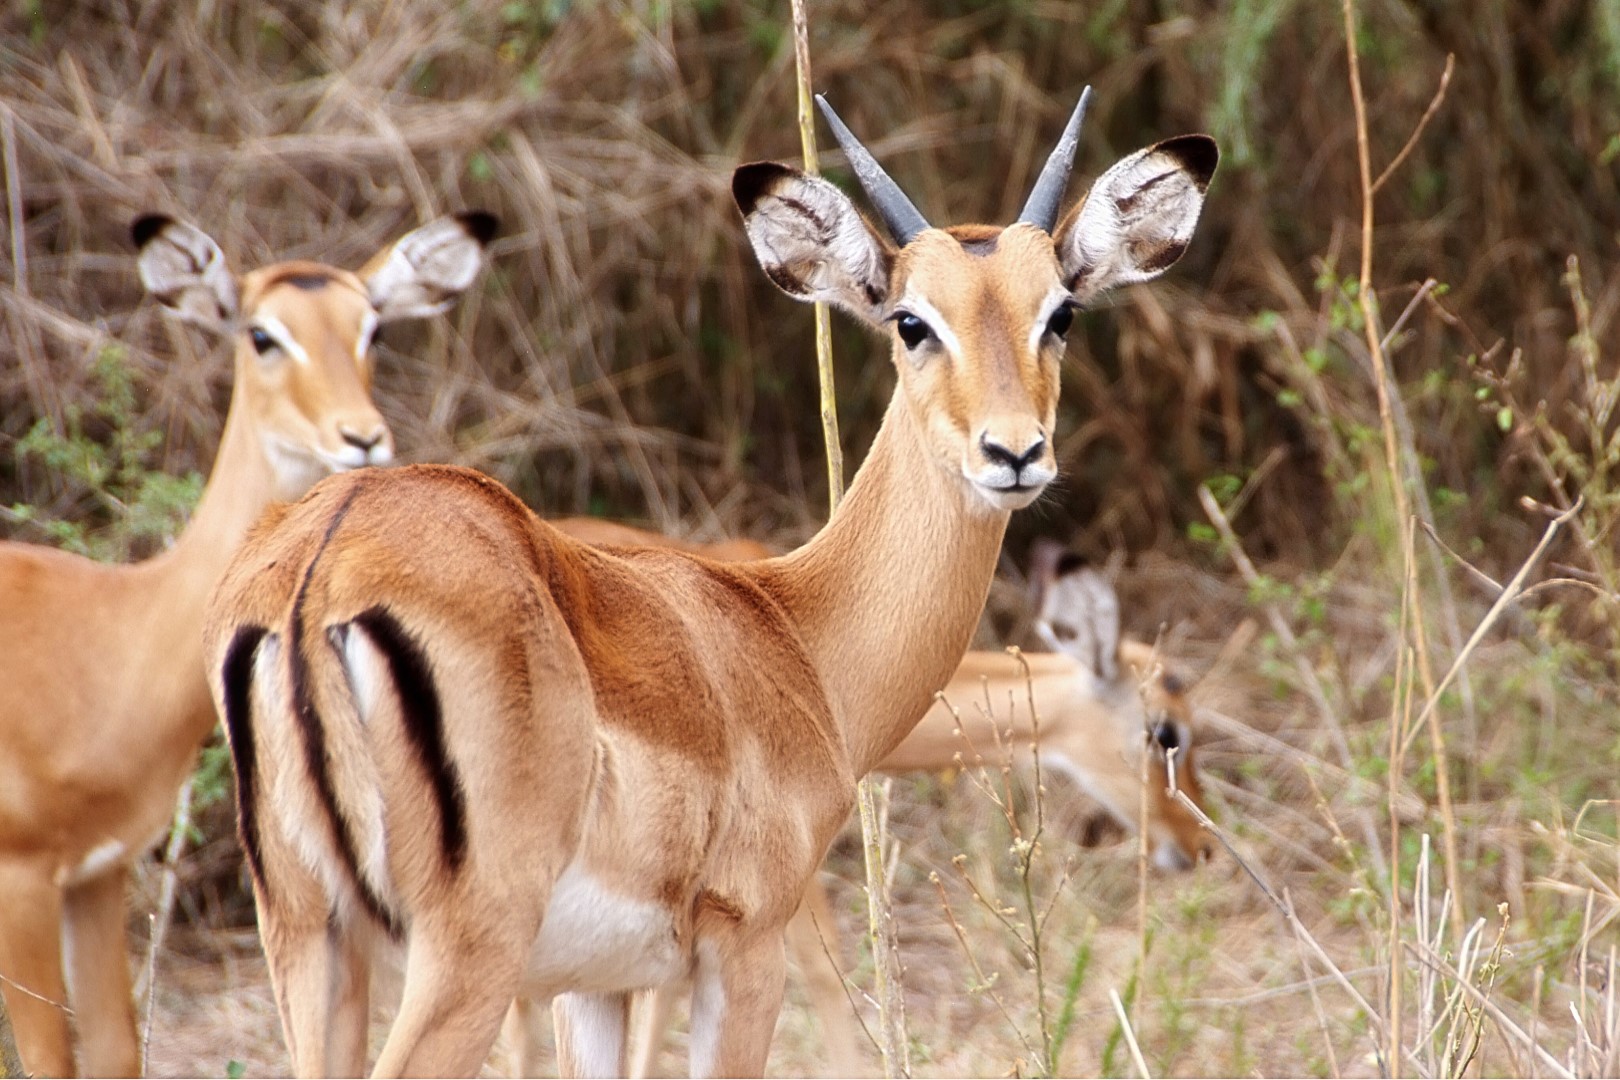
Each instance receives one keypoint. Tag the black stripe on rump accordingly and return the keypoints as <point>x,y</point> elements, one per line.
<point>237,676</point>
<point>424,725</point>
<point>314,734</point>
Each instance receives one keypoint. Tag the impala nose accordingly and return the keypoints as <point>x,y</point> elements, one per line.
<point>363,442</point>
<point>1000,455</point>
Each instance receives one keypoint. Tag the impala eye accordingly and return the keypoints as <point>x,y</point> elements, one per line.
<point>1166,735</point>
<point>1058,324</point>
<point>913,331</point>
<point>262,342</point>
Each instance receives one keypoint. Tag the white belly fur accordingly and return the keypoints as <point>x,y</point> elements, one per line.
<point>598,941</point>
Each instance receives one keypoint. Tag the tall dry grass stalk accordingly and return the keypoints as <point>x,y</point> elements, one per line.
<point>871,799</point>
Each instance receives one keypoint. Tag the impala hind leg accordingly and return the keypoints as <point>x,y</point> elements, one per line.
<point>736,998</point>
<point>98,966</point>
<point>456,993</point>
<point>350,987</point>
<point>523,1039</point>
<point>319,977</point>
<point>31,963</point>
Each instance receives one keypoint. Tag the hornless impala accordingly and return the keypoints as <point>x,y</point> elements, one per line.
<point>103,696</point>
<point>1100,698</point>
<point>547,768</point>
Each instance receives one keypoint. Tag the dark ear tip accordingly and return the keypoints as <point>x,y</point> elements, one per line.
<point>752,181</point>
<point>1197,152</point>
<point>480,225</point>
<point>1070,562</point>
<point>145,227</point>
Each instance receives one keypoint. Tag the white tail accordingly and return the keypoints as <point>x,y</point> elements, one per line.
<point>103,697</point>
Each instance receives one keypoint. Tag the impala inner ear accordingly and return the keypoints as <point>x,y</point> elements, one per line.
<point>185,270</point>
<point>811,241</point>
<point>426,270</point>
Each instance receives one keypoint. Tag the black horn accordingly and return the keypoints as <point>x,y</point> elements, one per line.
<point>898,213</point>
<point>1042,208</point>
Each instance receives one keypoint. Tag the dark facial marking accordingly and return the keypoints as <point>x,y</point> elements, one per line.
<point>1069,562</point>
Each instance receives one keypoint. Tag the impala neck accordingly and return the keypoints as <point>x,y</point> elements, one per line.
<point>240,486</point>
<point>887,595</point>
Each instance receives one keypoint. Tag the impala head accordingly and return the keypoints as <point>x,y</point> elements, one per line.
<point>977,314</point>
<point>1078,614</point>
<point>304,331</point>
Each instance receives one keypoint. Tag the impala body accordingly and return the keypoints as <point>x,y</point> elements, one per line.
<point>1102,702</point>
<point>546,768</point>
<point>103,695</point>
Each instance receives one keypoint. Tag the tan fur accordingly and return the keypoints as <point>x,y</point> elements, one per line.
<point>103,697</point>
<point>652,750</point>
<point>1091,730</point>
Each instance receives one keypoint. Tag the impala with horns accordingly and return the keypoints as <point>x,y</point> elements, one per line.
<point>1102,702</point>
<point>103,695</point>
<point>547,768</point>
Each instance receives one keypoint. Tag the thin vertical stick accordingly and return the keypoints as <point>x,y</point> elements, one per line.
<point>893,1041</point>
<point>1130,1035</point>
<point>14,211</point>
<point>824,358</point>
<point>1412,585</point>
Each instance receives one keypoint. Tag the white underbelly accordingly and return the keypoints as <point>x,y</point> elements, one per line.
<point>599,941</point>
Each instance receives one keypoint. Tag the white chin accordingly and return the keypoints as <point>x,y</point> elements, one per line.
<point>1008,498</point>
<point>1167,856</point>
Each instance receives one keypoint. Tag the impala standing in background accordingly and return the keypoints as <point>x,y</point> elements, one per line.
<point>549,769</point>
<point>103,696</point>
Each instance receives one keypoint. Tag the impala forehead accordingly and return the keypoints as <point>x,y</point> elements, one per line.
<point>976,280</point>
<point>312,310</point>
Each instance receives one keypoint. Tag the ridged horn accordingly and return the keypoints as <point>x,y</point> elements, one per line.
<point>1041,210</point>
<point>902,218</point>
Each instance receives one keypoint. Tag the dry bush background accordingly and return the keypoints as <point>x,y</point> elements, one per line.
<point>625,357</point>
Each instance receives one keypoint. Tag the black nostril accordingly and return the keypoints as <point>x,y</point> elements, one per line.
<point>361,442</point>
<point>1003,456</point>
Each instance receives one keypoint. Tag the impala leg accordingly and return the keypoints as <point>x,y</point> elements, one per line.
<point>456,992</point>
<point>351,1002</point>
<point>98,966</point>
<point>299,950</point>
<point>31,961</point>
<point>521,1035</point>
<point>812,925</point>
<point>592,1031</point>
<point>654,1029</point>
<point>736,998</point>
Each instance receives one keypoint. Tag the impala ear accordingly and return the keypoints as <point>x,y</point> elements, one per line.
<point>426,270</point>
<point>1079,616</point>
<point>182,267</point>
<point>1044,554</point>
<point>811,241</point>
<point>1138,217</point>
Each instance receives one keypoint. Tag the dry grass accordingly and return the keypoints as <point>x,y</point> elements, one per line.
<point>626,357</point>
